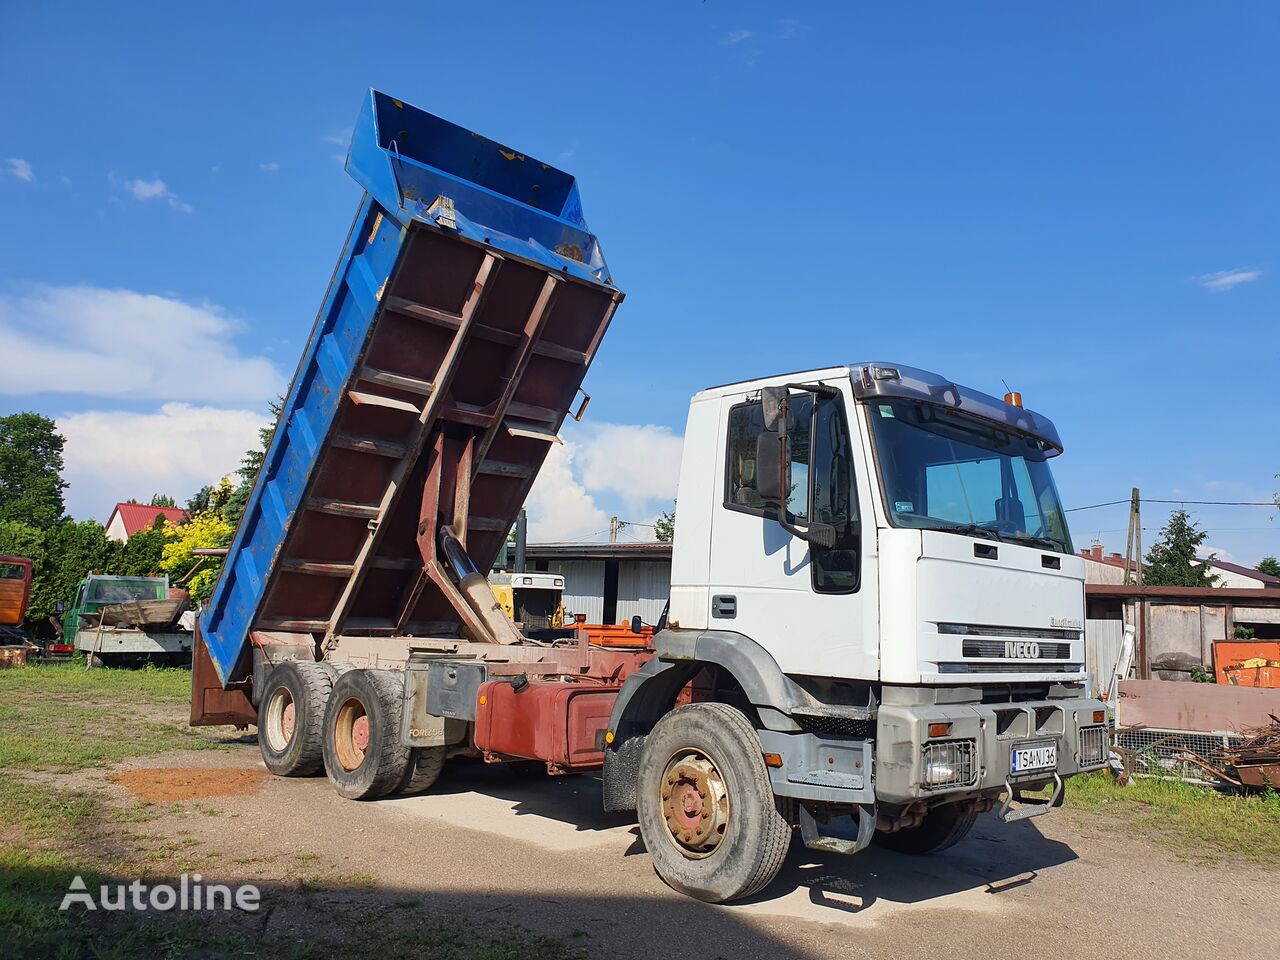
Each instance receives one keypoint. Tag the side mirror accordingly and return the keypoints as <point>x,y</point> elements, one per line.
<point>637,625</point>
<point>60,607</point>
<point>773,405</point>
<point>769,479</point>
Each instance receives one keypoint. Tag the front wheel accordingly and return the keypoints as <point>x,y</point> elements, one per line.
<point>942,827</point>
<point>707,813</point>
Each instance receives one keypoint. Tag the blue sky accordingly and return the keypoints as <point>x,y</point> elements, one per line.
<point>1080,201</point>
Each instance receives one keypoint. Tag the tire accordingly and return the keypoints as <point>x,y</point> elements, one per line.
<point>425,766</point>
<point>943,827</point>
<point>363,756</point>
<point>291,718</point>
<point>737,838</point>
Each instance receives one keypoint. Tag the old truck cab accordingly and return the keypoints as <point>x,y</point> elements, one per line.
<point>894,546</point>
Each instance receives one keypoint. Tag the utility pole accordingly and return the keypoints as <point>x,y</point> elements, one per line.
<point>522,535</point>
<point>614,526</point>
<point>1133,544</point>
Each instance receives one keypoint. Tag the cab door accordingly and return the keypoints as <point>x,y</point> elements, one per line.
<point>813,609</point>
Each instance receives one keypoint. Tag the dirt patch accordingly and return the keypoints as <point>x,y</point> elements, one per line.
<point>168,784</point>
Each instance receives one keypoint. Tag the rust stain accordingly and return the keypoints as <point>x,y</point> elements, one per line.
<point>167,784</point>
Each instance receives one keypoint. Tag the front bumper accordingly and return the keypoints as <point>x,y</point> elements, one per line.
<point>979,743</point>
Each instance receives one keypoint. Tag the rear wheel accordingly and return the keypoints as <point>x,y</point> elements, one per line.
<point>425,767</point>
<point>363,756</point>
<point>707,812</point>
<point>290,717</point>
<point>943,827</point>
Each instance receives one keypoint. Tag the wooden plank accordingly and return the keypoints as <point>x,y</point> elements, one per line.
<point>556,351</point>
<point>374,445</point>
<point>342,508</point>
<point>319,568</point>
<point>527,411</point>
<point>497,468</point>
<point>426,420</point>
<point>399,381</point>
<point>292,626</point>
<point>372,399</point>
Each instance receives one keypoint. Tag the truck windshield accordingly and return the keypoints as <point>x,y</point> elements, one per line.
<point>942,470</point>
<point>123,590</point>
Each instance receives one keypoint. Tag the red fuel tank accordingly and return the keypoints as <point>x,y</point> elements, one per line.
<point>561,723</point>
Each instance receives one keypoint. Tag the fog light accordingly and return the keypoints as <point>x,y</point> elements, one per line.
<point>950,764</point>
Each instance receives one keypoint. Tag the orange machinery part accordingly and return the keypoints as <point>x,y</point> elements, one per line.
<point>617,635</point>
<point>15,590</point>
<point>1231,656</point>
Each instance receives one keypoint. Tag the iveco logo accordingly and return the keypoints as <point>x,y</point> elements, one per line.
<point>1022,650</point>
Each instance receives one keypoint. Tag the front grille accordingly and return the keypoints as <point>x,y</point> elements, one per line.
<point>1025,666</point>
<point>954,764</point>
<point>1026,633</point>
<point>1000,648</point>
<point>1093,746</point>
<point>858,727</point>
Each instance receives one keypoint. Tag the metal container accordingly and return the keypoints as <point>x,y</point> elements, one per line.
<point>562,723</point>
<point>466,307</point>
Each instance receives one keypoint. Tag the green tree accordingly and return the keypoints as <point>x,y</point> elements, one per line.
<point>234,507</point>
<point>162,500</point>
<point>31,481</point>
<point>140,555</point>
<point>664,528</point>
<point>204,530</point>
<point>200,501</point>
<point>1172,561</point>
<point>1269,566</point>
<point>71,550</point>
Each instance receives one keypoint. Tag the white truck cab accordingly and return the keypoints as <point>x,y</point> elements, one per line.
<point>873,565</point>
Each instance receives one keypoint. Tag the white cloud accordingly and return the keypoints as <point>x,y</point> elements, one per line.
<point>560,507</point>
<point>1224,280</point>
<point>625,469</point>
<point>157,189</point>
<point>17,167</point>
<point>119,343</point>
<point>341,138</point>
<point>736,36</point>
<point>790,29</point>
<point>271,167</point>
<point>114,455</point>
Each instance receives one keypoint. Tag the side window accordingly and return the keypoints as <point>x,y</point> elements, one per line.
<point>746,423</point>
<point>834,498</point>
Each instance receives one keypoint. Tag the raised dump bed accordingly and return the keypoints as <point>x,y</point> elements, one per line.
<point>467,305</point>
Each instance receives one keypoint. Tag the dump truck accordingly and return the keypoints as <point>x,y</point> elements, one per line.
<point>118,620</point>
<point>15,592</point>
<point>875,622</point>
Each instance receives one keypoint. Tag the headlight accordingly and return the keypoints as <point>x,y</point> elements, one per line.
<point>1094,747</point>
<point>950,764</point>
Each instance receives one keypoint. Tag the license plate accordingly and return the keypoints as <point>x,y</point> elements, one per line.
<point>1033,756</point>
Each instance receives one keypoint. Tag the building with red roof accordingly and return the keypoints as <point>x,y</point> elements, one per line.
<point>130,518</point>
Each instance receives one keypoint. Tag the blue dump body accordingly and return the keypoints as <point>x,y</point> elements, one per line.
<point>466,307</point>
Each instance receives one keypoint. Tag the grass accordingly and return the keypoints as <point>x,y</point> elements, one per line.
<point>1200,823</point>
<point>63,718</point>
<point>60,719</point>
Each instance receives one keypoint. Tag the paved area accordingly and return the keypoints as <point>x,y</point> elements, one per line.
<point>541,856</point>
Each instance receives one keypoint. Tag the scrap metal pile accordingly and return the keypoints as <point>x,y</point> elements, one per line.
<point>1256,761</point>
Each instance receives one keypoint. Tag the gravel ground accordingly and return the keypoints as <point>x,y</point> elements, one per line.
<point>541,857</point>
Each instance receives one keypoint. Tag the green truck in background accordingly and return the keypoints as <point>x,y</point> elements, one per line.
<point>116,621</point>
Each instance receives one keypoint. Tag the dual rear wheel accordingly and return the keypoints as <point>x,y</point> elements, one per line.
<point>313,716</point>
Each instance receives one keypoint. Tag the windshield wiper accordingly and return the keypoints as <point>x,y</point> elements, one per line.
<point>1046,542</point>
<point>974,529</point>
